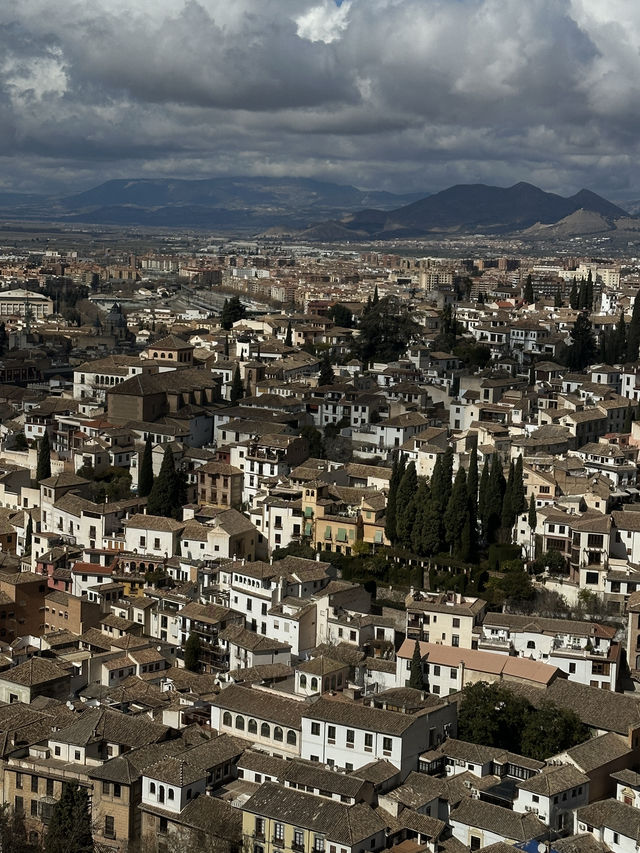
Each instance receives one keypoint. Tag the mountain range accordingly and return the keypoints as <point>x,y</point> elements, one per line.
<point>320,210</point>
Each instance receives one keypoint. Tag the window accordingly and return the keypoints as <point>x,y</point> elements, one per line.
<point>315,729</point>
<point>34,808</point>
<point>34,784</point>
<point>259,827</point>
<point>252,727</point>
<point>277,733</point>
<point>455,622</point>
<point>106,787</point>
<point>109,827</point>
<point>368,742</point>
<point>387,745</point>
<point>18,805</point>
<point>291,738</point>
<point>318,843</point>
<point>18,780</point>
<point>298,840</point>
<point>455,640</point>
<point>350,738</point>
<point>331,734</point>
<point>49,787</point>
<point>436,670</point>
<point>278,832</point>
<point>240,723</point>
<point>226,719</point>
<point>454,673</point>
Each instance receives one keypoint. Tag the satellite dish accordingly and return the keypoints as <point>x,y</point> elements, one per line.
<point>542,847</point>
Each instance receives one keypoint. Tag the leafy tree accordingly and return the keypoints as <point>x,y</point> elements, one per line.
<point>192,653</point>
<point>550,730</point>
<point>70,827</point>
<point>20,441</point>
<point>582,350</point>
<point>288,338</point>
<point>326,375</point>
<point>386,329</point>
<point>232,311</point>
<point>528,294</point>
<point>314,437</point>
<point>43,469</point>
<point>415,678</point>
<point>145,477</point>
<point>341,315</point>
<point>13,833</point>
<point>168,492</point>
<point>633,333</point>
<point>237,388</point>
<point>472,354</point>
<point>491,715</point>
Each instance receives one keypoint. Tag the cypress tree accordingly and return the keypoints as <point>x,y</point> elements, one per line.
<point>167,493</point>
<point>528,295</point>
<point>394,482</point>
<point>533,515</point>
<point>574,298</point>
<point>288,338</point>
<point>447,474</point>
<point>70,827</point>
<point>482,494</point>
<point>557,299</point>
<point>192,653</point>
<point>637,415</point>
<point>237,388</point>
<point>583,345</point>
<point>472,476</point>
<point>405,504</point>
<point>431,534</point>
<point>376,298</point>
<point>620,339</point>
<point>28,537</point>
<point>633,333</point>
<point>628,420</point>
<point>494,499</point>
<point>508,516</point>
<point>43,469</point>
<point>415,678</point>
<point>145,478</point>
<point>589,297</point>
<point>582,295</point>
<point>226,347</point>
<point>519,495</point>
<point>417,532</point>
<point>457,512</point>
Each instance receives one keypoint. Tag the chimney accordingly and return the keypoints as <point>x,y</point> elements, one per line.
<point>318,557</point>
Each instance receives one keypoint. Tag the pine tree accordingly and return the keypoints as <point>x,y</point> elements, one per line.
<point>574,297</point>
<point>405,504</point>
<point>192,653</point>
<point>528,295</point>
<point>70,827</point>
<point>145,477</point>
<point>415,678</point>
<point>326,375</point>
<point>457,513</point>
<point>633,333</point>
<point>288,338</point>
<point>533,515</point>
<point>167,494</point>
<point>237,388</point>
<point>43,469</point>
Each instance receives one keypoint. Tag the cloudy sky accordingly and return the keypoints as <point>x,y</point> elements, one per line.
<point>386,94</point>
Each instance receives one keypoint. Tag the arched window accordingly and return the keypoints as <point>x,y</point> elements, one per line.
<point>303,680</point>
<point>252,727</point>
<point>314,683</point>
<point>226,719</point>
<point>291,737</point>
<point>531,644</point>
<point>152,787</point>
<point>265,731</point>
<point>240,722</point>
<point>170,794</point>
<point>277,733</point>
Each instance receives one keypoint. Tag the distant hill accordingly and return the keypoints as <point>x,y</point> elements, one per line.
<point>466,208</point>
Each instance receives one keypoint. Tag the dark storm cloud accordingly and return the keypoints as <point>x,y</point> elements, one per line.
<point>382,93</point>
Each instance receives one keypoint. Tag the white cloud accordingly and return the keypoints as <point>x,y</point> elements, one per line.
<point>326,22</point>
